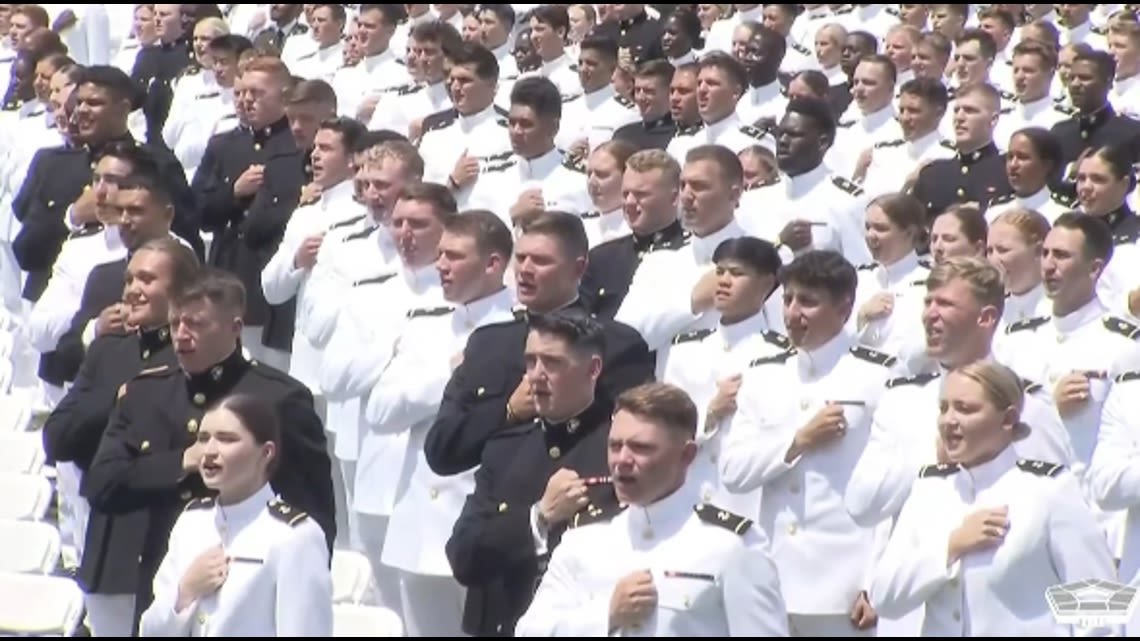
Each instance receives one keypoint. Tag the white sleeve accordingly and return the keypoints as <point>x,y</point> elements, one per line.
<point>562,607</point>
<point>755,447</point>
<point>882,478</point>
<point>659,304</point>
<point>160,619</point>
<point>347,371</point>
<point>281,280</point>
<point>304,584</point>
<point>1114,473</point>
<point>51,316</point>
<point>409,391</point>
<point>753,602</point>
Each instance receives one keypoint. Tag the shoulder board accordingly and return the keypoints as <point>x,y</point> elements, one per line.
<point>298,29</point>
<point>623,101</point>
<point>777,359</point>
<point>519,312</point>
<point>690,130</point>
<point>677,243</point>
<point>949,144</point>
<point>873,356</point>
<point>1003,199</point>
<point>694,336</point>
<point>440,120</point>
<point>730,521</point>
<point>408,89</point>
<point>1027,324</point>
<point>1064,109</point>
<point>347,222</point>
<point>89,230</point>
<point>892,10</point>
<point>1029,387</point>
<point>570,97</point>
<point>207,95</point>
<point>192,70</point>
<point>866,267</point>
<point>843,10</point>
<point>925,262</point>
<point>1007,95</point>
<point>1064,200</point>
<point>376,280</point>
<point>941,469</point>
<point>287,513</point>
<point>1098,30</point>
<point>799,47</point>
<point>506,155</point>
<point>358,235</point>
<point>593,514</point>
<point>399,89</point>
<point>1126,238</point>
<point>777,339</point>
<point>847,186</point>
<point>428,312</point>
<point>1040,468</point>
<point>1005,110</point>
<point>574,162</point>
<point>890,143</point>
<point>753,132</point>
<point>921,379</point>
<point>1118,325</point>
<point>844,124</point>
<point>200,504</point>
<point>1134,375</point>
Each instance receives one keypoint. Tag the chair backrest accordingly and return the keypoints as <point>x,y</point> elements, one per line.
<point>35,605</point>
<point>21,452</point>
<point>351,577</point>
<point>365,621</point>
<point>28,547</point>
<point>24,497</point>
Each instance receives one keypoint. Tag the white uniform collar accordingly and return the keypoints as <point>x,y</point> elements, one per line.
<point>468,123</point>
<point>703,247</point>
<point>892,274</point>
<point>731,121</point>
<point>917,147</point>
<point>823,359</point>
<point>799,186</point>
<point>370,63</point>
<point>540,166</point>
<point>735,333</point>
<point>476,312</point>
<point>599,97</point>
<point>231,518</point>
<point>420,279</point>
<point>985,475</point>
<point>561,62</point>
<point>1085,314</point>
<point>338,194</point>
<point>663,519</point>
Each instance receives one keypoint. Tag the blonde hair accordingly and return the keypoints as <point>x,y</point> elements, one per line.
<point>1001,387</point>
<point>1032,226</point>
<point>398,150</point>
<point>984,279</point>
<point>648,160</point>
<point>214,24</point>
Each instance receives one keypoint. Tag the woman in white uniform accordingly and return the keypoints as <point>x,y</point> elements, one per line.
<point>984,535</point>
<point>243,563</point>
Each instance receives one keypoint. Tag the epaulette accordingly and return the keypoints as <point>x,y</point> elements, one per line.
<point>920,379</point>
<point>375,280</point>
<point>85,231</point>
<point>428,312</point>
<point>1126,238</point>
<point>191,70</point>
<point>754,132</point>
<point>1027,324</point>
<point>1007,95</point>
<point>570,97</point>
<point>694,336</point>
<point>624,101</point>
<point>690,130</point>
<point>1005,111</point>
<point>843,10</point>
<point>676,243</point>
<point>440,120</point>
<point>1003,199</point>
<point>400,89</point>
<point>866,267</point>
<point>777,359</point>
<point>409,89</point>
<point>730,521</point>
<point>207,95</point>
<point>873,356</point>
<point>500,156</point>
<point>1098,30</point>
<point>1065,200</point>
<point>949,144</point>
<point>574,162</point>
<point>1134,375</point>
<point>287,513</point>
<point>882,144</point>
<point>892,10</point>
<point>941,469</point>
<point>359,235</point>
<point>1118,325</point>
<point>347,222</point>
<point>777,339</point>
<point>519,312</point>
<point>1029,387</point>
<point>200,504</point>
<point>1064,109</point>
<point>12,105</point>
<point>1040,468</point>
<point>800,48</point>
<point>925,262</point>
<point>593,514</point>
<point>845,124</point>
<point>847,186</point>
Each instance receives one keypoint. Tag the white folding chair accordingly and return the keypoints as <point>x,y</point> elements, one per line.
<point>351,577</point>
<point>35,605</point>
<point>24,497</point>
<point>21,452</point>
<point>365,621</point>
<point>15,412</point>
<point>28,547</point>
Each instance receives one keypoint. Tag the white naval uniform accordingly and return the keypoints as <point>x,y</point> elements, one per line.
<point>279,583</point>
<point>856,132</point>
<point>731,132</point>
<point>802,502</point>
<point>900,334</point>
<point>1042,113</point>
<point>893,161</point>
<point>1052,539</point>
<point>406,400</point>
<point>188,133</point>
<point>398,108</point>
<point>1113,474</point>
<point>367,333</point>
<point>319,64</point>
<point>1043,202</point>
<point>502,178</point>
<point>1122,274</point>
<point>767,101</point>
<point>696,362</point>
<point>836,207</point>
<point>711,568</point>
<point>594,117</point>
<point>1024,306</point>
<point>281,280</point>
<point>563,72</point>
<point>482,135</point>
<point>604,226</point>
<point>366,79</point>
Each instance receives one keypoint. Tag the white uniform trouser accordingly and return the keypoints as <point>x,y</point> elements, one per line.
<point>433,605</point>
<point>347,479</point>
<point>73,511</point>
<point>373,531</point>
<point>251,341</point>
<point>824,625</point>
<point>110,615</point>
